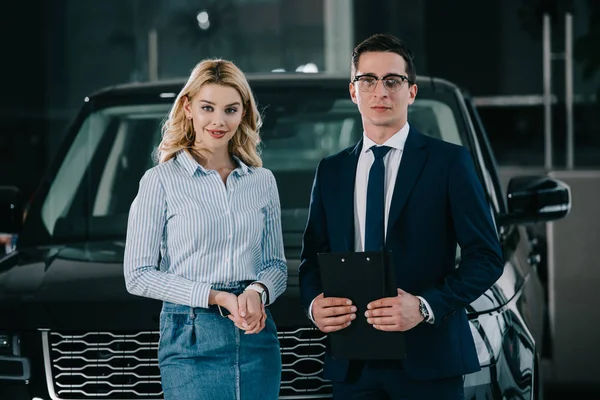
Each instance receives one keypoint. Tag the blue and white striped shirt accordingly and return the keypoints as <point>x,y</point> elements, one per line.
<point>204,234</point>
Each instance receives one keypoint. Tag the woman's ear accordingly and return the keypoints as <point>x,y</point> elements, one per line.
<point>187,106</point>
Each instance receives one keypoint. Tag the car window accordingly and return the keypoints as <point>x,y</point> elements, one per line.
<point>91,192</point>
<point>99,175</point>
<point>492,181</point>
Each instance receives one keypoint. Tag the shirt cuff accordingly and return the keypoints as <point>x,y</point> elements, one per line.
<point>200,294</point>
<point>431,318</point>
<point>310,316</point>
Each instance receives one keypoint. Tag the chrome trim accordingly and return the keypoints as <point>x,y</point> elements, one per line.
<point>50,377</point>
<point>553,209</point>
<point>295,349</point>
<point>48,366</point>
<point>106,359</point>
<point>306,396</point>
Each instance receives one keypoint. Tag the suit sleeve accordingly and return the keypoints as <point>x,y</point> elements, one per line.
<point>481,257</point>
<point>314,241</point>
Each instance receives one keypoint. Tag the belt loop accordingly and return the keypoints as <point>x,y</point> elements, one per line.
<point>192,314</point>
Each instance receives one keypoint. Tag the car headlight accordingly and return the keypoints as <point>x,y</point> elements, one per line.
<point>10,344</point>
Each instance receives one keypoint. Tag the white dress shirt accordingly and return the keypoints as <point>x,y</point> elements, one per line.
<point>392,163</point>
<point>188,233</point>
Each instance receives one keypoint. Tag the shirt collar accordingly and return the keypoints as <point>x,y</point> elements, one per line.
<point>188,162</point>
<point>242,167</point>
<point>397,141</point>
<point>191,165</point>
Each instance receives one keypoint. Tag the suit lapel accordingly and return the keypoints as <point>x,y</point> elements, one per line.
<point>347,181</point>
<point>414,156</point>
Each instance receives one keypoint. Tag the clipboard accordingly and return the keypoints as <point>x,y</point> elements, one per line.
<point>361,277</point>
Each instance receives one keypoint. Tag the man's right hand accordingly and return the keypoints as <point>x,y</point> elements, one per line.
<point>332,313</point>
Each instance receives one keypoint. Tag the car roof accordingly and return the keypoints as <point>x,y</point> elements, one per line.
<point>257,80</point>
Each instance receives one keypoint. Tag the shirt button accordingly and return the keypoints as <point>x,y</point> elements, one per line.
<point>230,236</point>
<point>226,212</point>
<point>227,259</point>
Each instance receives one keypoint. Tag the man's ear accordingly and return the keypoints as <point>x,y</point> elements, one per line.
<point>352,89</point>
<point>413,93</point>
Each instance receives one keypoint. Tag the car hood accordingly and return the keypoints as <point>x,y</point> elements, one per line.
<point>81,287</point>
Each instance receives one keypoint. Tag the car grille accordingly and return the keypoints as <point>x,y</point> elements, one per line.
<point>302,353</point>
<point>112,366</point>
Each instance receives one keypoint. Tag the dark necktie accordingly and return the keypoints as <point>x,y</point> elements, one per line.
<point>375,216</point>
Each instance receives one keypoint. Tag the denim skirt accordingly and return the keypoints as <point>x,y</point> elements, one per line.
<point>204,356</point>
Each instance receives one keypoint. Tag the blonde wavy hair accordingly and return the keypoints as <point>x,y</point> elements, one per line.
<point>178,132</point>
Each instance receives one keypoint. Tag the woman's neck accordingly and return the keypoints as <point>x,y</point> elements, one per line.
<point>217,159</point>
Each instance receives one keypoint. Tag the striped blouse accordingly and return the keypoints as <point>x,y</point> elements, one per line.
<point>188,232</point>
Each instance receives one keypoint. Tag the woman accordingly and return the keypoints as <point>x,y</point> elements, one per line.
<point>204,236</point>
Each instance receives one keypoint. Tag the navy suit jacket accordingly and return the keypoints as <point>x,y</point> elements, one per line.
<point>438,201</point>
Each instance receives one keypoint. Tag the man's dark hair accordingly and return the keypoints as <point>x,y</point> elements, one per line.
<point>385,43</point>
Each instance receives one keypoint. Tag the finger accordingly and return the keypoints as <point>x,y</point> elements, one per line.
<point>253,303</point>
<point>259,323</point>
<point>253,329</point>
<point>255,310</point>
<point>235,319</point>
<point>334,328</point>
<point>338,320</point>
<point>236,323</point>
<point>383,321</point>
<point>381,312</point>
<point>242,311</point>
<point>241,322</point>
<point>401,292</point>
<point>242,303</point>
<point>333,302</point>
<point>234,315</point>
<point>263,322</point>
<point>252,319</point>
<point>335,311</point>
<point>258,327</point>
<point>385,302</point>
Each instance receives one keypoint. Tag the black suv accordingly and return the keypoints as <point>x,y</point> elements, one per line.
<point>68,327</point>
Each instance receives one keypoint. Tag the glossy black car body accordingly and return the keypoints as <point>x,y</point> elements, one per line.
<point>70,330</point>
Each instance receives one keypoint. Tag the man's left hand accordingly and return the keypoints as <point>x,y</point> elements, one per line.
<point>400,313</point>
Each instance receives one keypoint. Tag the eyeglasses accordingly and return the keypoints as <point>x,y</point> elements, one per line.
<point>392,82</point>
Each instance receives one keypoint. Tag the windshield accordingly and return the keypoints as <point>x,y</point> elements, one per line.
<point>89,195</point>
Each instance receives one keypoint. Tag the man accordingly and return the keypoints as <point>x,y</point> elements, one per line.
<point>417,197</point>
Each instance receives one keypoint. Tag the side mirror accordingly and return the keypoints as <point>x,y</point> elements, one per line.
<point>533,199</point>
<point>11,210</point>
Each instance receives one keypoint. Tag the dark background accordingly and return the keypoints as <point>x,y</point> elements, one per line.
<point>55,52</point>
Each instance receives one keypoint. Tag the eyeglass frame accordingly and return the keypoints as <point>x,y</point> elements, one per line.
<point>403,78</point>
